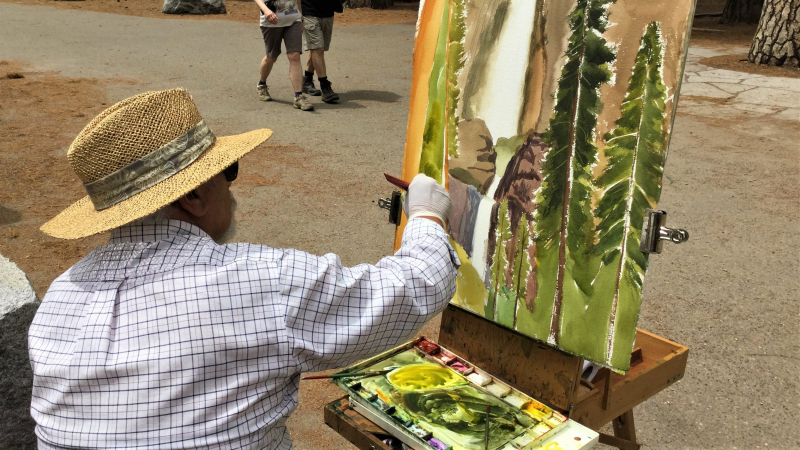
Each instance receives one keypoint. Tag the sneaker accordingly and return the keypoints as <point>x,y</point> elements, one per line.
<point>302,103</point>
<point>309,88</point>
<point>328,96</point>
<point>263,93</point>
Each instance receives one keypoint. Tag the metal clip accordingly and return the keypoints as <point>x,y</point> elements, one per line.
<point>654,232</point>
<point>394,205</point>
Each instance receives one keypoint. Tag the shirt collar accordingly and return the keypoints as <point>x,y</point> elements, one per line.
<point>153,231</point>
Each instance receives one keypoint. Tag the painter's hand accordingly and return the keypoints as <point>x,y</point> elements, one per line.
<point>426,197</point>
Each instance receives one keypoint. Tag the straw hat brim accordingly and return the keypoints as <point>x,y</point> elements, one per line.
<point>82,220</point>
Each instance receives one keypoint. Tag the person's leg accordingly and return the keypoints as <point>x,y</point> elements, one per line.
<point>328,96</point>
<point>295,71</point>
<point>266,68</point>
<point>317,56</point>
<point>272,44</point>
<point>314,40</point>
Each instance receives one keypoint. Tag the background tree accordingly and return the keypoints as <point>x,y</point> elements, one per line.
<point>742,11</point>
<point>777,39</point>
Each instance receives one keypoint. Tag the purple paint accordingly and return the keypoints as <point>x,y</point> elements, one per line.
<point>437,444</point>
<point>459,366</point>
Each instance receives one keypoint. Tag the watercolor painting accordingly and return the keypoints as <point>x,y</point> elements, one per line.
<point>549,122</point>
<point>446,402</point>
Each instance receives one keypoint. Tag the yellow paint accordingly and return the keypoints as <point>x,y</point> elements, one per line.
<point>471,293</point>
<point>420,377</point>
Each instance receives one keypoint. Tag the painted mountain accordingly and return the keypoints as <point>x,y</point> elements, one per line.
<point>549,122</point>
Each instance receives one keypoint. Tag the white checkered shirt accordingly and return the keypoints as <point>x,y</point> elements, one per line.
<point>164,339</point>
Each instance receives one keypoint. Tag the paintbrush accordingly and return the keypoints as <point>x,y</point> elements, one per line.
<point>486,437</point>
<point>348,375</point>
<point>397,181</point>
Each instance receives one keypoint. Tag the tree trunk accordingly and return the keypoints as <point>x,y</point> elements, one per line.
<point>741,11</point>
<point>374,4</point>
<point>777,40</point>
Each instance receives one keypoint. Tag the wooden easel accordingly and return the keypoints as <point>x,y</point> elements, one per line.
<point>546,374</point>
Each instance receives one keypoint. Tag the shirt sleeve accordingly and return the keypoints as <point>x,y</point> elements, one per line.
<point>337,315</point>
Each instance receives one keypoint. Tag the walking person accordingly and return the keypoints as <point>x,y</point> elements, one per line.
<point>281,20</point>
<point>318,29</point>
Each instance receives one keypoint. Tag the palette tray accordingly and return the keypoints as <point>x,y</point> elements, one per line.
<point>432,399</point>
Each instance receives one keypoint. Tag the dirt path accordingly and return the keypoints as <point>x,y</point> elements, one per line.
<point>238,11</point>
<point>732,180</point>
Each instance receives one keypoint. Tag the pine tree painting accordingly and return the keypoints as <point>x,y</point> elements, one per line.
<point>547,223</point>
<point>563,220</point>
<point>631,183</point>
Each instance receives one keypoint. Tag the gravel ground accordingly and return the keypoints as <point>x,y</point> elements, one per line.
<point>730,293</point>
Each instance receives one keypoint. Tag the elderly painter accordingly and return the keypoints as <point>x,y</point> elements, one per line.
<point>167,338</point>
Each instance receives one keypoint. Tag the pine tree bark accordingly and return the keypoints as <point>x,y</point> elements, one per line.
<point>777,39</point>
<point>741,11</point>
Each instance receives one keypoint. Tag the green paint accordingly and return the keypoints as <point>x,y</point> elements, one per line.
<point>631,183</point>
<point>498,288</point>
<point>522,267</point>
<point>505,149</point>
<point>455,62</point>
<point>431,161</point>
<point>566,227</point>
<point>470,290</point>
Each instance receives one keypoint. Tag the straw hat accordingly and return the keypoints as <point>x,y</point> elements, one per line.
<point>142,154</point>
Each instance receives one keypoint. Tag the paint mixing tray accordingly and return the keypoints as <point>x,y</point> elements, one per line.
<point>430,398</point>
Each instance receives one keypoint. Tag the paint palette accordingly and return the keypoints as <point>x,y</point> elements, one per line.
<point>432,399</point>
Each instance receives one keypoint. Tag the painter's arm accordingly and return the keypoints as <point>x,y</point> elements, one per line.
<point>337,315</point>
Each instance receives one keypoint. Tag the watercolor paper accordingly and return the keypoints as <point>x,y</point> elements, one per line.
<point>549,122</point>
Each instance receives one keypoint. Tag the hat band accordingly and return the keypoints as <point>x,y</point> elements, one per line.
<point>151,169</point>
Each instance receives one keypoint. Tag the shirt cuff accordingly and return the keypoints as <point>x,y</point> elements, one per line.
<point>419,228</point>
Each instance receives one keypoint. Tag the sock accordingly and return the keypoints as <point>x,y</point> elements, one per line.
<point>262,83</point>
<point>297,94</point>
<point>309,74</point>
<point>323,79</point>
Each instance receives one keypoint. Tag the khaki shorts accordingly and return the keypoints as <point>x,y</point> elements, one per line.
<point>292,37</point>
<point>318,31</point>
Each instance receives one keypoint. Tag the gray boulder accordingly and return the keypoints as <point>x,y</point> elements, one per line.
<point>18,305</point>
<point>193,7</point>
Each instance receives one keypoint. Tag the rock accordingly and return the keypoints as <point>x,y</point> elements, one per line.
<point>521,179</point>
<point>464,213</point>
<point>18,305</point>
<point>475,165</point>
<point>193,7</point>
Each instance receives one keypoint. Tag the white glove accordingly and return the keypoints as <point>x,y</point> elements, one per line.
<point>426,197</point>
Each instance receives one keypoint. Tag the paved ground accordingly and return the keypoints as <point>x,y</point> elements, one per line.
<point>732,180</point>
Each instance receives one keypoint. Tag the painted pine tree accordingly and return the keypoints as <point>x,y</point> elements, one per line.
<point>498,291</point>
<point>455,62</point>
<point>564,228</point>
<point>631,183</point>
<point>434,138</point>
<point>440,136</point>
<point>522,265</point>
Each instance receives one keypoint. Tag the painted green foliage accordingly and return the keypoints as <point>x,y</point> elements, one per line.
<point>432,155</point>
<point>440,121</point>
<point>522,265</point>
<point>455,62</point>
<point>502,306</point>
<point>564,228</point>
<point>631,183</point>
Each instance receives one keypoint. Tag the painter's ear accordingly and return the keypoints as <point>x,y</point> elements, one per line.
<point>194,203</point>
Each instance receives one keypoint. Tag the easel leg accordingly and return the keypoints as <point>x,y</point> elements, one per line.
<point>624,427</point>
<point>624,433</point>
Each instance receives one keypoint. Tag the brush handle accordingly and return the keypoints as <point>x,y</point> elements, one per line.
<point>397,181</point>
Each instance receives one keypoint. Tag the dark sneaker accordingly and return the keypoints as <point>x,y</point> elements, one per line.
<point>328,96</point>
<point>302,103</point>
<point>263,93</point>
<point>309,88</point>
